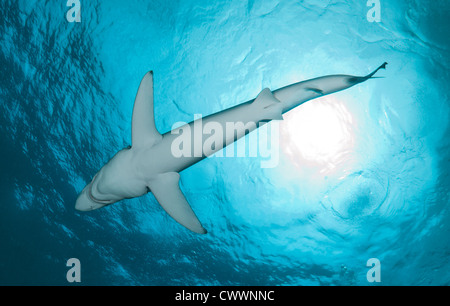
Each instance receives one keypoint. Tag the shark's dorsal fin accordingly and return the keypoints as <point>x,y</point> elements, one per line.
<point>166,189</point>
<point>144,132</point>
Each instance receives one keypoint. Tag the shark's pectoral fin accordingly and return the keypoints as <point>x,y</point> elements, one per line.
<point>270,106</point>
<point>166,189</point>
<point>144,132</point>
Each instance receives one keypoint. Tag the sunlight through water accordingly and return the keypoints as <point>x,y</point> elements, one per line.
<point>319,135</point>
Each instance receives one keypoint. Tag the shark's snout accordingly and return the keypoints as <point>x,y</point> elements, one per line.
<point>85,201</point>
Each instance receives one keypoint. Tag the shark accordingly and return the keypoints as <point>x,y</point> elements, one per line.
<point>150,165</point>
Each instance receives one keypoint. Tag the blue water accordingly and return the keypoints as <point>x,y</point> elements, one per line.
<point>381,191</point>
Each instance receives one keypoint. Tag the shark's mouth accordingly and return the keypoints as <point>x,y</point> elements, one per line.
<point>94,199</point>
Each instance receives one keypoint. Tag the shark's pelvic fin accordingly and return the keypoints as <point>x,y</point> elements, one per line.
<point>274,112</point>
<point>265,98</point>
<point>270,105</point>
<point>144,132</point>
<point>166,189</point>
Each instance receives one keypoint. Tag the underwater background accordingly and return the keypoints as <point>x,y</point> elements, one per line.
<point>362,174</point>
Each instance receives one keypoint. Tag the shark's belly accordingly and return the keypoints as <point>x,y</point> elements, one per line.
<point>192,142</point>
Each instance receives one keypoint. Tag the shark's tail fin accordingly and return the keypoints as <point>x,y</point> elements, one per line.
<point>376,70</point>
<point>356,80</point>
